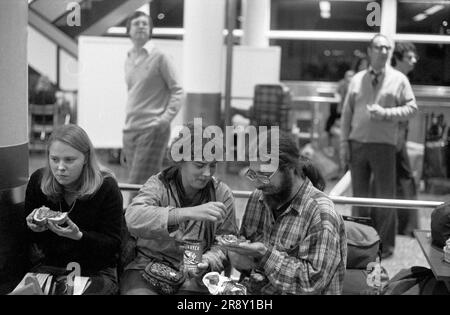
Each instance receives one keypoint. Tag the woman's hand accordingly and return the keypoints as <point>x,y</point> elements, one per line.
<point>70,231</point>
<point>32,226</point>
<point>212,211</point>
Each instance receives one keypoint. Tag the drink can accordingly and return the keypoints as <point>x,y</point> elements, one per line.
<point>193,251</point>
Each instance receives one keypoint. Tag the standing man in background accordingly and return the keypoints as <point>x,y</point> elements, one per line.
<point>154,98</point>
<point>377,99</point>
<point>404,59</point>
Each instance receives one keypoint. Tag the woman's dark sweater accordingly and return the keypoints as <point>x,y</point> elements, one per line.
<point>99,218</point>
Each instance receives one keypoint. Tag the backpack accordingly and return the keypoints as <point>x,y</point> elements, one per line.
<point>363,242</point>
<point>363,253</point>
<point>440,224</point>
<point>416,280</point>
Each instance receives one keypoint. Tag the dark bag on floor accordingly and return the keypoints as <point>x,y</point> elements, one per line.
<point>415,281</point>
<point>363,242</point>
<point>163,278</point>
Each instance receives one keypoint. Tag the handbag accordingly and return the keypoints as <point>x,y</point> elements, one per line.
<point>440,225</point>
<point>163,278</point>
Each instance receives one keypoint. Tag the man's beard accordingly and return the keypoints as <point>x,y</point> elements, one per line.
<point>280,195</point>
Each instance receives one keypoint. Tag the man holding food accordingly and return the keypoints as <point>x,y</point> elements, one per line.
<point>295,240</point>
<point>175,217</point>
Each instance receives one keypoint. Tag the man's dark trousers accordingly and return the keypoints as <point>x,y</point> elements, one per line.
<point>377,160</point>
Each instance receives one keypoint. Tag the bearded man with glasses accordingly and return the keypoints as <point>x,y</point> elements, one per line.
<point>296,242</point>
<point>377,99</point>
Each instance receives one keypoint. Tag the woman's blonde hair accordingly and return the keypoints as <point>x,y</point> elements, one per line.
<point>91,177</point>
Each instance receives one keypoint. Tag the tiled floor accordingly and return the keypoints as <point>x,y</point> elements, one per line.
<point>407,252</point>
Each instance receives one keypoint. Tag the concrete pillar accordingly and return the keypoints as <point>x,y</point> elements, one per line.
<point>203,59</point>
<point>388,25</point>
<point>256,23</point>
<point>13,137</point>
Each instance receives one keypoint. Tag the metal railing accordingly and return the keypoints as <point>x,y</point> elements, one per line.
<point>354,201</point>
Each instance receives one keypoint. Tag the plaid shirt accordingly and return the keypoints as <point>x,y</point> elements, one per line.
<point>307,246</point>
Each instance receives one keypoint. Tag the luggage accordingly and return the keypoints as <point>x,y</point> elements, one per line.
<point>363,271</point>
<point>363,242</point>
<point>440,225</point>
<point>415,281</point>
<point>271,106</point>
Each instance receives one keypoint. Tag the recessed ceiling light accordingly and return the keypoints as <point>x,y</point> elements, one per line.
<point>434,9</point>
<point>420,17</point>
<point>325,9</point>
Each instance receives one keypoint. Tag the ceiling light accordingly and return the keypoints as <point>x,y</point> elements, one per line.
<point>434,9</point>
<point>324,5</point>
<point>325,8</point>
<point>420,17</point>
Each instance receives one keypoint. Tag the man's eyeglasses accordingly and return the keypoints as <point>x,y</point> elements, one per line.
<point>253,176</point>
<point>380,47</point>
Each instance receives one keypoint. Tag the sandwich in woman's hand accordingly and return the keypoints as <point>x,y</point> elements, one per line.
<point>44,215</point>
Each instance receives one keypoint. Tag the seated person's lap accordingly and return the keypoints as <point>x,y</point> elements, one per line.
<point>132,283</point>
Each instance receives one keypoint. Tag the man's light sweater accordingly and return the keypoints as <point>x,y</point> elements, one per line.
<point>393,92</point>
<point>154,92</point>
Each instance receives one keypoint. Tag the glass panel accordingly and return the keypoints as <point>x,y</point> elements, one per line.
<point>321,15</point>
<point>169,13</point>
<point>91,12</point>
<point>307,60</point>
<point>427,17</point>
<point>429,70</point>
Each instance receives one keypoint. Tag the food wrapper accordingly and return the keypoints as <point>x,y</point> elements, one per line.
<point>220,285</point>
<point>447,251</point>
<point>377,277</point>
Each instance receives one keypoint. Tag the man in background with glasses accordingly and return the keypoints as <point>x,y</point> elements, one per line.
<point>377,99</point>
<point>296,242</point>
<point>404,60</point>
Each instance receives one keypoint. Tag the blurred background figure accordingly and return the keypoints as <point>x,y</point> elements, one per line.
<point>48,109</point>
<point>154,98</point>
<point>404,60</point>
<point>362,63</point>
<point>336,109</point>
<point>44,92</point>
<point>378,98</point>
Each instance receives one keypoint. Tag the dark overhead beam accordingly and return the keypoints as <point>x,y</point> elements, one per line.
<point>113,18</point>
